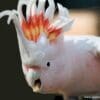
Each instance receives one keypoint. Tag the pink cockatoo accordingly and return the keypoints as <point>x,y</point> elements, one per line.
<point>51,61</point>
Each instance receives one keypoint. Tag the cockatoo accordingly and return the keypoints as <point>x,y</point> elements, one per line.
<point>51,61</point>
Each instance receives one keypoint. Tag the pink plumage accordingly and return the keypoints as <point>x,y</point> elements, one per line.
<point>69,66</point>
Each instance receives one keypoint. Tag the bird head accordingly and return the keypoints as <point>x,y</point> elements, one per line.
<point>40,37</point>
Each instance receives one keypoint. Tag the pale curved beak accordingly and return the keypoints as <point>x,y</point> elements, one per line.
<point>33,77</point>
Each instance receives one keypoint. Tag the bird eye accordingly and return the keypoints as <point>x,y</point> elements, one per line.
<point>48,64</point>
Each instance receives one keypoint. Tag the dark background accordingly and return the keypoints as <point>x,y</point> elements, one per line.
<point>12,83</point>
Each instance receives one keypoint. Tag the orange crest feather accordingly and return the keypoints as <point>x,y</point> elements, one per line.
<point>36,25</point>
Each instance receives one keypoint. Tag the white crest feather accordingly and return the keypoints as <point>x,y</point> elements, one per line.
<point>33,9</point>
<point>50,10</point>
<point>28,9</point>
<point>19,8</point>
<point>41,6</point>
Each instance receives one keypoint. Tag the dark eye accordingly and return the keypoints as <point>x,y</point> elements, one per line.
<point>48,64</point>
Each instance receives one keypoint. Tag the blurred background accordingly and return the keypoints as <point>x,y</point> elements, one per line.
<point>86,14</point>
<point>13,86</point>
